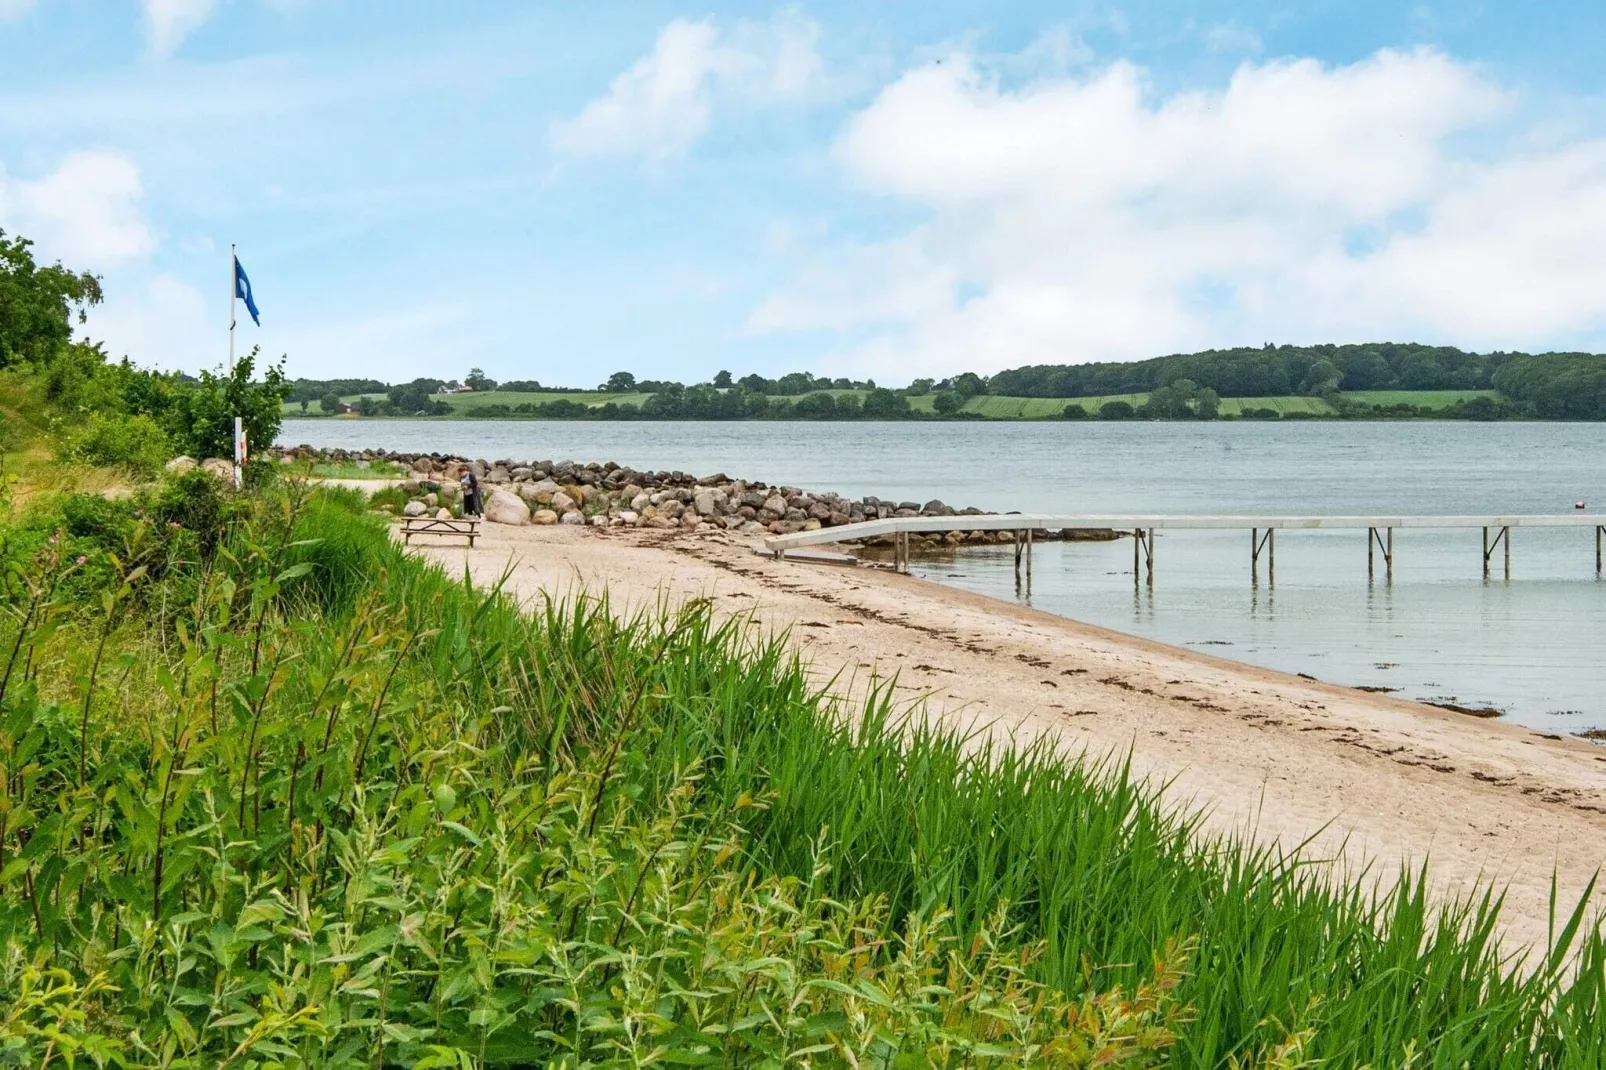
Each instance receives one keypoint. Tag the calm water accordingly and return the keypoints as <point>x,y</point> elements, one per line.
<point>1534,646</point>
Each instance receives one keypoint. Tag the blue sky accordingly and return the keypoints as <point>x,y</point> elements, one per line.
<point>879,188</point>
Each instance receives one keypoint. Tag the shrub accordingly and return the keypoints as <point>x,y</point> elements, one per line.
<point>1073,412</point>
<point>1117,410</point>
<point>135,442</point>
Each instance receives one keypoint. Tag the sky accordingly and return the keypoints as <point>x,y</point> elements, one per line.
<point>878,188</point>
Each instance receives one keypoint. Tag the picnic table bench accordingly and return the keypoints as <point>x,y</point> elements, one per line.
<point>468,527</point>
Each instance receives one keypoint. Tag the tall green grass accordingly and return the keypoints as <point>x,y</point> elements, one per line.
<point>310,800</point>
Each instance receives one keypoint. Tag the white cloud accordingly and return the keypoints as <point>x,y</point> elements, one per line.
<point>168,22</point>
<point>1083,219</point>
<point>665,101</point>
<point>160,322</point>
<point>14,9</point>
<point>86,213</point>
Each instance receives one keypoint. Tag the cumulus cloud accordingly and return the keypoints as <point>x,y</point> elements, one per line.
<point>665,101</point>
<point>168,22</point>
<point>1082,218</point>
<point>87,212</point>
<point>158,321</point>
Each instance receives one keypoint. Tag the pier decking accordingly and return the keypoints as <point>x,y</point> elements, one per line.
<point>1262,533</point>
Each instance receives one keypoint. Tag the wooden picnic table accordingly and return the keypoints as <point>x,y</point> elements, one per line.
<point>466,527</point>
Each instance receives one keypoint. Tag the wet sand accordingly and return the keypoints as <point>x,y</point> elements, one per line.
<point>1358,778</point>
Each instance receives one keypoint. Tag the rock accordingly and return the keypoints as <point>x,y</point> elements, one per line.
<point>544,517</point>
<point>689,520</point>
<point>505,507</point>
<point>659,522</point>
<point>543,490</point>
<point>179,465</point>
<point>217,466</point>
<point>775,505</point>
<point>629,516</point>
<point>935,507</point>
<point>497,475</point>
<point>443,514</point>
<point>562,502</point>
<point>522,474</point>
<point>819,511</point>
<point>572,518</point>
<point>599,521</point>
<point>811,524</point>
<point>752,527</point>
<point>414,509</point>
<point>526,491</point>
<point>703,500</point>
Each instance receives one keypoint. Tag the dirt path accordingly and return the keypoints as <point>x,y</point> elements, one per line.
<point>1360,776</point>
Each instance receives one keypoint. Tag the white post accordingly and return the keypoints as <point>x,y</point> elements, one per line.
<point>239,451</point>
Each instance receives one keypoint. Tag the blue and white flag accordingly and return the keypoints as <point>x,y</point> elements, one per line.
<point>242,289</point>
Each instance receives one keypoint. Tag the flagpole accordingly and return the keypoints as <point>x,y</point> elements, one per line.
<point>234,288</point>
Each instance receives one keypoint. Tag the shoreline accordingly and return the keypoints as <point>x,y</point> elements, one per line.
<point>1355,778</point>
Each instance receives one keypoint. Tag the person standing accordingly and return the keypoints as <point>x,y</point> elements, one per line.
<point>472,505</point>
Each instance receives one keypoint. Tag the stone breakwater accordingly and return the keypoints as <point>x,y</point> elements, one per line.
<point>614,496</point>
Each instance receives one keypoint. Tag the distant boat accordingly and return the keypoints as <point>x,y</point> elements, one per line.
<point>1579,505</point>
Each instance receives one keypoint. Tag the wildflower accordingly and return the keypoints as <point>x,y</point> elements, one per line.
<point>82,559</point>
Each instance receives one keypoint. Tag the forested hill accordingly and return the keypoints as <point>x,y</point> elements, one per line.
<point>1556,385</point>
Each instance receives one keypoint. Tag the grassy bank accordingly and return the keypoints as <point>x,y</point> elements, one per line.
<point>275,795</point>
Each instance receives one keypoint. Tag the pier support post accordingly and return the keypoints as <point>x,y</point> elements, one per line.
<point>1143,547</point>
<point>1386,545</point>
<point>1028,557</point>
<point>1502,538</point>
<point>1599,531</point>
<point>1257,543</point>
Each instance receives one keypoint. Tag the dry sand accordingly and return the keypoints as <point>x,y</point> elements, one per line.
<point>1358,777</point>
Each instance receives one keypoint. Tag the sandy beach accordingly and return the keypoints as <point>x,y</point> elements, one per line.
<point>1357,778</point>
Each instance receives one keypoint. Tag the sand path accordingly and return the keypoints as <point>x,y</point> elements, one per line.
<point>1361,777</point>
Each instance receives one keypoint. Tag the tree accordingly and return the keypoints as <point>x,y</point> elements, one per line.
<point>1073,411</point>
<point>330,402</point>
<point>1206,404</point>
<point>1117,410</point>
<point>476,380</point>
<point>919,388</point>
<point>203,417</point>
<point>38,304</point>
<point>969,385</point>
<point>948,402</point>
<point>722,380</point>
<point>305,404</point>
<point>1323,378</point>
<point>884,404</point>
<point>620,383</point>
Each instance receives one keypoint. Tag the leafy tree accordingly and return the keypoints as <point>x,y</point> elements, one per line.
<point>38,304</point>
<point>305,404</point>
<point>969,385</point>
<point>476,380</point>
<point>919,388</point>
<point>1073,411</point>
<point>202,423</point>
<point>948,402</point>
<point>882,404</point>
<point>330,402</point>
<point>1206,404</point>
<point>620,383</point>
<point>1117,410</point>
<point>1323,378</point>
<point>722,380</point>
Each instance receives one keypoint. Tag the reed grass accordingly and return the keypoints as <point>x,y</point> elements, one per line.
<point>276,795</point>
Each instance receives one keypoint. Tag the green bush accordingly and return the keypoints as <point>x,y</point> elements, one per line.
<point>135,442</point>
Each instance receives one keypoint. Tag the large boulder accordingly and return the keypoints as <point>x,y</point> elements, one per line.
<point>543,490</point>
<point>181,464</point>
<point>563,502</point>
<point>217,466</point>
<point>703,501</point>
<point>414,509</point>
<point>505,507</point>
<point>544,517</point>
<point>572,518</point>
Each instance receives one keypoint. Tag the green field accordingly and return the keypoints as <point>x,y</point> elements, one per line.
<point>988,406</point>
<point>1430,399</point>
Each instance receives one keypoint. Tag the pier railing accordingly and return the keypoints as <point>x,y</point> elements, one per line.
<point>1262,533</point>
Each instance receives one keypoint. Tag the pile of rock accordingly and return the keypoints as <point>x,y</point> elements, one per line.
<point>611,495</point>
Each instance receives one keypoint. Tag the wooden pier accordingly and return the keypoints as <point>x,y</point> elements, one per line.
<point>1262,534</point>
